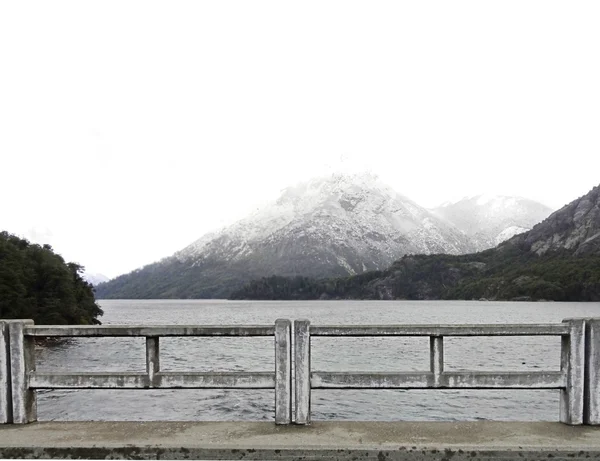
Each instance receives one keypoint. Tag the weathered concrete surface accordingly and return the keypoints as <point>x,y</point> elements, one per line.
<point>322,440</point>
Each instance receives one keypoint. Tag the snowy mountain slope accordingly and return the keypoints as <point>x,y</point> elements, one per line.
<point>354,223</point>
<point>332,226</point>
<point>491,219</point>
<point>94,278</point>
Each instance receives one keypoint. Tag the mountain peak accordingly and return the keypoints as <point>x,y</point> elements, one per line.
<point>326,190</point>
<point>335,205</point>
<point>336,225</point>
<point>94,278</point>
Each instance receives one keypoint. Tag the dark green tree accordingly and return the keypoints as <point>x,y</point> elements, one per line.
<point>36,283</point>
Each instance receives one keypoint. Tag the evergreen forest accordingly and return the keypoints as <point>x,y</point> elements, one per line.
<point>509,273</point>
<point>36,283</point>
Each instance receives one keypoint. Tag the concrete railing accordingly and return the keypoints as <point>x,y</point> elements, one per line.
<point>20,379</point>
<point>578,379</point>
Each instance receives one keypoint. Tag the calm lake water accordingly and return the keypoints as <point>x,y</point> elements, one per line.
<point>359,354</point>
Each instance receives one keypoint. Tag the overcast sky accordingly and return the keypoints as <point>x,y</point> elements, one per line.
<point>129,129</point>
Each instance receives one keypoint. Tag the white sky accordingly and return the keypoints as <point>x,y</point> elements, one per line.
<point>129,129</point>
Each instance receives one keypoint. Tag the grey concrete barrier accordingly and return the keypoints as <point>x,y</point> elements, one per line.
<point>573,366</point>
<point>292,376</point>
<point>22,363</point>
<point>283,371</point>
<point>580,359</point>
<point>302,375</point>
<point>19,379</point>
<point>5,380</point>
<point>592,372</point>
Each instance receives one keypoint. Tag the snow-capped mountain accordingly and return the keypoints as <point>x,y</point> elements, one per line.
<point>95,279</point>
<point>332,226</point>
<point>356,222</point>
<point>491,219</point>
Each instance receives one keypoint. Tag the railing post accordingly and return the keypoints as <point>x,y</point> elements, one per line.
<point>573,366</point>
<point>436,359</point>
<point>283,371</point>
<point>22,362</point>
<point>152,359</point>
<point>302,370</point>
<point>5,393</point>
<point>592,374</point>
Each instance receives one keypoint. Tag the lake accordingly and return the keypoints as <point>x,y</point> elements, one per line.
<point>356,354</point>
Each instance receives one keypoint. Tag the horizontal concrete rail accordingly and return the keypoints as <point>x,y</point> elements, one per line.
<point>145,330</point>
<point>18,399</point>
<point>570,380</point>
<point>426,380</point>
<point>162,380</point>
<point>441,330</point>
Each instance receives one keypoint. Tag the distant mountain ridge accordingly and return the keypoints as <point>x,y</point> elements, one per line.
<point>491,219</point>
<point>338,225</point>
<point>575,228</point>
<point>559,259</point>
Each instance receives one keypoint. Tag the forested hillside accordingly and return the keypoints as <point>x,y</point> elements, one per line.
<point>36,283</point>
<point>507,276</point>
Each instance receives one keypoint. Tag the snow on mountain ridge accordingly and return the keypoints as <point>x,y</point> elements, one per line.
<point>94,278</point>
<point>490,219</point>
<point>346,224</point>
<point>509,232</point>
<point>299,200</point>
<point>354,211</point>
<point>483,199</point>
